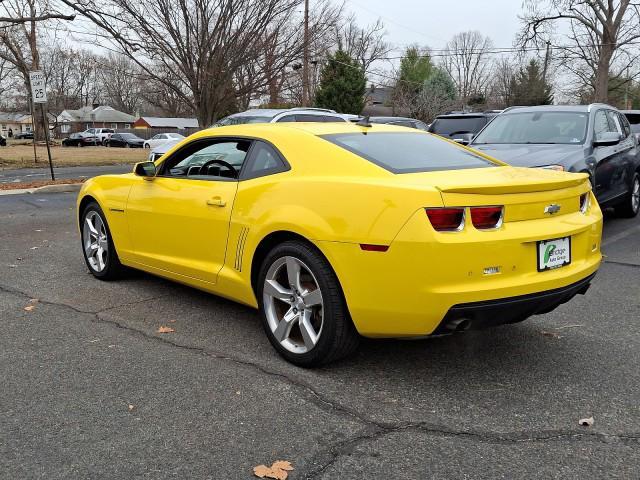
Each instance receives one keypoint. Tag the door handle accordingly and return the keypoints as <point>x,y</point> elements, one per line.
<point>216,202</point>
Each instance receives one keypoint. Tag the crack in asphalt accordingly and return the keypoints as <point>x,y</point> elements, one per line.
<point>374,429</point>
<point>624,264</point>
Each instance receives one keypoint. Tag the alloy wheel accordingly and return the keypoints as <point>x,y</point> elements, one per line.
<point>635,195</point>
<point>293,304</point>
<point>95,241</point>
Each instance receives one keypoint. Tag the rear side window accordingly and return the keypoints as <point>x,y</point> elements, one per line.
<point>634,120</point>
<point>408,152</point>
<point>457,125</point>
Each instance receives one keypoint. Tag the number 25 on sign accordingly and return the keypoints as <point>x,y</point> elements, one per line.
<point>38,89</point>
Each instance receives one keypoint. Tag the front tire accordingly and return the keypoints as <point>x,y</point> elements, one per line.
<point>97,245</point>
<point>630,207</point>
<point>303,309</point>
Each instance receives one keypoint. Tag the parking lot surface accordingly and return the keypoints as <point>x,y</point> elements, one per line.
<point>91,390</point>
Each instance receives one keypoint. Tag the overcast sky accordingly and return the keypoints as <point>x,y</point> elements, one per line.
<point>434,22</point>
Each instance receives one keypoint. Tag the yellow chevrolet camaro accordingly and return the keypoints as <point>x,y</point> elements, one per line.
<point>339,230</point>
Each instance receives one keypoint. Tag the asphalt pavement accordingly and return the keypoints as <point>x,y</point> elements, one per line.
<point>34,174</point>
<point>90,390</point>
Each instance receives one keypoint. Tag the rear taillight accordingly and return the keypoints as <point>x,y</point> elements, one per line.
<point>486,217</point>
<point>584,202</point>
<point>446,219</point>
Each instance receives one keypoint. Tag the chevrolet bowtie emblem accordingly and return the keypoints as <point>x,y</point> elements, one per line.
<point>551,209</point>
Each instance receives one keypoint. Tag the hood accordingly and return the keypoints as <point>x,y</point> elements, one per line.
<point>532,155</point>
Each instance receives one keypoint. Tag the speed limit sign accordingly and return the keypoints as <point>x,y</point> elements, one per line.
<point>38,88</point>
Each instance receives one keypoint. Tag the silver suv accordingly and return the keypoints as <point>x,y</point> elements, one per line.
<point>275,115</point>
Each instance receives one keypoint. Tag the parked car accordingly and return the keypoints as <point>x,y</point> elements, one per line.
<point>401,121</point>
<point>3,141</point>
<point>160,150</point>
<point>23,136</point>
<point>594,139</point>
<point>127,140</point>
<point>261,115</point>
<point>102,134</point>
<point>461,126</point>
<point>81,139</point>
<point>161,138</point>
<point>328,229</point>
<point>633,116</point>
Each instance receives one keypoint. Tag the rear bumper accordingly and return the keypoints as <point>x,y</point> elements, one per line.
<point>478,315</point>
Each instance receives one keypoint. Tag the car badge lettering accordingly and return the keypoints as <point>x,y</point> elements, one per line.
<point>551,209</point>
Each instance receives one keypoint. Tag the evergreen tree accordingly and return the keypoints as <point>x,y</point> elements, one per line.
<point>342,84</point>
<point>530,88</point>
<point>415,67</point>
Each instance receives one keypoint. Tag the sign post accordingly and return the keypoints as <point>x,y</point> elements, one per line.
<point>39,95</point>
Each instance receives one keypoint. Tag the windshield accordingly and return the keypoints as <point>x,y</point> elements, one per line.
<point>242,119</point>
<point>452,126</point>
<point>536,127</point>
<point>408,152</point>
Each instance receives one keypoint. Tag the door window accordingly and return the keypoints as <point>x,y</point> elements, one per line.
<point>208,160</point>
<point>602,125</point>
<point>287,118</point>
<point>614,120</point>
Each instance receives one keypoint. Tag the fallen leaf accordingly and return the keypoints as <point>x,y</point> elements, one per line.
<point>278,470</point>
<point>172,321</point>
<point>164,329</point>
<point>586,422</point>
<point>29,308</point>
<point>131,407</point>
<point>261,471</point>
<point>282,464</point>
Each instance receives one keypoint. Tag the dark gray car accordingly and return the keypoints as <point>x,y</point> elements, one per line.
<point>595,139</point>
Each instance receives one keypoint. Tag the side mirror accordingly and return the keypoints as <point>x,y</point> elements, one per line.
<point>464,139</point>
<point>607,139</point>
<point>145,169</point>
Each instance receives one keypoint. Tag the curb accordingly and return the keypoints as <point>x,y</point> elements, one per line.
<point>59,188</point>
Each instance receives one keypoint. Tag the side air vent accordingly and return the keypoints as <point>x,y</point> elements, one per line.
<point>242,238</point>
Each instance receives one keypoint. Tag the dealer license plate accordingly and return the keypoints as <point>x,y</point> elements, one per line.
<point>554,253</point>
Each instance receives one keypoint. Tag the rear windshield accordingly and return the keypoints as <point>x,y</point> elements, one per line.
<point>454,126</point>
<point>408,152</point>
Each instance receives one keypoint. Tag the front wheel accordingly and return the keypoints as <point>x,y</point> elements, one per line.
<point>97,245</point>
<point>303,309</point>
<point>631,205</point>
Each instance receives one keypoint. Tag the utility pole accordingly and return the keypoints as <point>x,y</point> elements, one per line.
<point>305,57</point>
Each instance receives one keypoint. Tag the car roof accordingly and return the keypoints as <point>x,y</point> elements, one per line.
<point>631,112</point>
<point>467,114</point>
<point>314,128</point>
<point>272,112</point>
<point>392,119</point>
<point>558,108</point>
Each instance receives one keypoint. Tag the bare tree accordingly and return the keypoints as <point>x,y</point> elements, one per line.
<point>121,83</point>
<point>204,42</point>
<point>466,60</point>
<point>364,44</point>
<point>602,34</point>
<point>503,84</point>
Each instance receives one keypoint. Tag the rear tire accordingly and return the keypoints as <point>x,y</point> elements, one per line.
<point>97,244</point>
<point>630,207</point>
<point>303,309</point>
